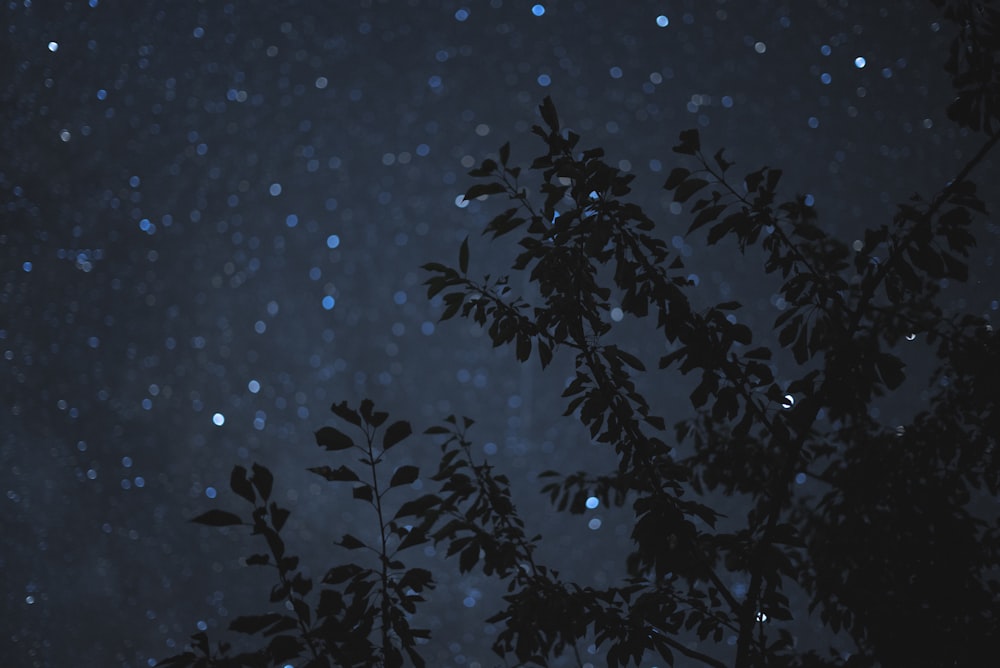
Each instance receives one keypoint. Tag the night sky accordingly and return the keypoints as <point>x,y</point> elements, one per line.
<point>213,219</point>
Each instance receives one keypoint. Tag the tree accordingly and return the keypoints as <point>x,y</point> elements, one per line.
<point>899,545</point>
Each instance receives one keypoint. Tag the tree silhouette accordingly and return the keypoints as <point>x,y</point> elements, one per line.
<point>895,547</point>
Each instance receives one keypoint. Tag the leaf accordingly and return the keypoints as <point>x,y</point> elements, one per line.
<point>333,439</point>
<point>263,480</point>
<point>523,351</point>
<point>549,115</point>
<point>404,475</point>
<point>773,176</point>
<point>339,474</point>
<point>347,414</point>
<point>395,433</point>
<point>463,256</point>
<point>418,507</point>
<point>544,353</point>
<point>339,574</point>
<point>283,648</point>
<point>706,216</point>
<point>240,485</point>
<point>690,143</point>
<point>483,189</point>
<point>676,177</point>
<point>370,415</point>
<point>890,369</point>
<point>217,518</point>
<point>469,557</point>
<point>505,153</point>
<point>254,623</point>
<point>363,492</point>
<point>258,560</point>
<point>278,516</point>
<point>350,542</point>
<point>688,188</point>
<point>721,161</point>
<point>417,579</point>
<point>631,360</point>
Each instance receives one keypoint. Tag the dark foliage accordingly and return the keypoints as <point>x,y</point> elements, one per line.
<point>896,554</point>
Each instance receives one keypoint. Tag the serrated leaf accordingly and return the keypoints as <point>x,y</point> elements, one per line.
<point>690,143</point>
<point>333,439</point>
<point>404,475</point>
<point>217,518</point>
<point>395,433</point>
<point>344,412</point>
<point>721,161</point>
<point>370,415</point>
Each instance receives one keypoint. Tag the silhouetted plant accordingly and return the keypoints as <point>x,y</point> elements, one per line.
<point>899,550</point>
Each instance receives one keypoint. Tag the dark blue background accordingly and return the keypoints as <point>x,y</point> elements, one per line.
<point>182,184</point>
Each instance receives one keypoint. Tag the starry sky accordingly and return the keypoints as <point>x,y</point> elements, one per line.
<point>213,219</point>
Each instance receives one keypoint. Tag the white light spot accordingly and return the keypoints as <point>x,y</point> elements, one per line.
<point>253,386</point>
<point>662,21</point>
<point>911,336</point>
<point>592,502</point>
<point>219,419</point>
<point>53,46</point>
<point>788,402</point>
<point>760,47</point>
<point>860,62</point>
